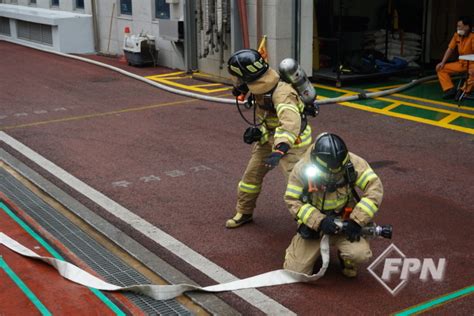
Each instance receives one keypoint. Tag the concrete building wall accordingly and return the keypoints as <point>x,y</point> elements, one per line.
<point>111,28</point>
<point>71,32</point>
<point>277,23</point>
<point>64,5</point>
<point>142,20</point>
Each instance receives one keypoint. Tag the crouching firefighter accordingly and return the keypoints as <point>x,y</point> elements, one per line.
<point>322,197</point>
<point>280,131</point>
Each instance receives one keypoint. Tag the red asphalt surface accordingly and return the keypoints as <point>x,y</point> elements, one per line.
<point>58,295</point>
<point>427,174</point>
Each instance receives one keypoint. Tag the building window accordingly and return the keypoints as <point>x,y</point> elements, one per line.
<point>32,2</point>
<point>5,26</point>
<point>126,7</point>
<point>162,9</point>
<point>55,3</point>
<point>79,4</point>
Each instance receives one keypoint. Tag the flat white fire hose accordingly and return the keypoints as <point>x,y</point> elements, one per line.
<point>165,292</point>
<point>134,76</point>
<point>360,96</point>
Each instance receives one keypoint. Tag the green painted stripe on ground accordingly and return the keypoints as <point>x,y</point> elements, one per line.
<point>373,103</point>
<point>25,289</point>
<point>406,109</point>
<point>463,122</point>
<point>55,254</point>
<point>432,92</point>
<point>440,300</point>
<point>419,112</point>
<point>328,93</point>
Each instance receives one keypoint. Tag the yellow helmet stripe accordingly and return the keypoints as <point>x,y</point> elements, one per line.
<point>236,70</point>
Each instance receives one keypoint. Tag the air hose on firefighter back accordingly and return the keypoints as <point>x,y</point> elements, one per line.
<point>360,96</point>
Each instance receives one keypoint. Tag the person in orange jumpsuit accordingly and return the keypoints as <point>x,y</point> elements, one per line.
<point>463,39</point>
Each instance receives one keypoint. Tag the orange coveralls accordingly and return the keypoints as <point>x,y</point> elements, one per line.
<point>465,46</point>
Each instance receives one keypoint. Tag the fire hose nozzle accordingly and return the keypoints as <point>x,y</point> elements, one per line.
<point>372,229</point>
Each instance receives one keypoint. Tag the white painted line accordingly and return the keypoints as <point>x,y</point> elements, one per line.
<point>209,268</point>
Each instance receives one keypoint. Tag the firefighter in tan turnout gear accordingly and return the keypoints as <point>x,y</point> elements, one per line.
<point>281,134</point>
<point>322,189</point>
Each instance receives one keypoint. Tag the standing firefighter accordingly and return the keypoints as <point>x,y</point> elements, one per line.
<point>320,193</point>
<point>281,133</point>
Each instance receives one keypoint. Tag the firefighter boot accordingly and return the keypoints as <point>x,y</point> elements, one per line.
<point>449,94</point>
<point>349,268</point>
<point>238,220</point>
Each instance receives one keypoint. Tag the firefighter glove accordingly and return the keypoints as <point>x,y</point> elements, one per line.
<point>327,226</point>
<point>280,150</point>
<point>353,230</point>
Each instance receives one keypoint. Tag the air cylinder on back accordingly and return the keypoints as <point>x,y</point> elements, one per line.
<point>291,72</point>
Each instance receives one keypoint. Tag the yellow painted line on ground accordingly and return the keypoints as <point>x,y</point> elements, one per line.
<point>95,115</point>
<point>427,107</point>
<point>410,118</point>
<point>434,102</point>
<point>168,74</point>
<point>451,117</point>
<point>404,116</point>
<point>331,88</point>
<point>391,106</point>
<point>189,87</point>
<point>172,78</point>
<point>155,78</point>
<point>407,103</point>
<point>348,94</point>
<point>208,85</point>
<point>203,74</point>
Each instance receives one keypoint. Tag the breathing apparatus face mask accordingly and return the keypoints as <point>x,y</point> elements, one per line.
<point>323,180</point>
<point>332,181</point>
<point>461,32</point>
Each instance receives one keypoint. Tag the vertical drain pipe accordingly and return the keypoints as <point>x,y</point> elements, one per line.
<point>190,35</point>
<point>297,29</point>
<point>243,22</point>
<point>259,21</point>
<point>95,26</point>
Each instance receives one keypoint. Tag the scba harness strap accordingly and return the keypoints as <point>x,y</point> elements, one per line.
<point>268,105</point>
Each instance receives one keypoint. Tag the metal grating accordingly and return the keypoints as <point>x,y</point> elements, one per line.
<point>107,265</point>
<point>35,32</point>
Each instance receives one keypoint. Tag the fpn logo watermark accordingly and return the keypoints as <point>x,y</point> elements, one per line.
<point>397,268</point>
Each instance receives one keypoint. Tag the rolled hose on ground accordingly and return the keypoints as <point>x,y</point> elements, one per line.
<point>360,96</point>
